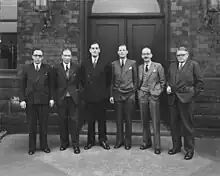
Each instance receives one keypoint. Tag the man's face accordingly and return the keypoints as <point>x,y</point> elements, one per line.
<point>182,56</point>
<point>94,50</point>
<point>122,52</point>
<point>66,56</point>
<point>37,56</point>
<point>146,55</point>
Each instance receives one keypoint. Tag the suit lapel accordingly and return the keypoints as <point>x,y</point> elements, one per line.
<point>62,70</point>
<point>180,73</point>
<point>125,68</point>
<point>150,71</point>
<point>140,72</point>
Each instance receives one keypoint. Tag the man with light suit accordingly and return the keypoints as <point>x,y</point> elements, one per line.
<point>151,84</point>
<point>123,88</point>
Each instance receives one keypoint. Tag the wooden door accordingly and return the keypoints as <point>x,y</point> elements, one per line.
<point>136,34</point>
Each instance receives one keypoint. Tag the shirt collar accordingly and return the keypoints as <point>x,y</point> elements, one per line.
<point>148,65</point>
<point>39,65</point>
<point>123,60</point>
<point>64,64</point>
<point>95,58</point>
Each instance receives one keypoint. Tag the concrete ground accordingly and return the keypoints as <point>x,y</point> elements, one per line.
<point>14,159</point>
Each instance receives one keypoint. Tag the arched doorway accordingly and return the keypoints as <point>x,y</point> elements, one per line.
<point>139,24</point>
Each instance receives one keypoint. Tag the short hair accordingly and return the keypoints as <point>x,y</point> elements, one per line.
<point>94,43</point>
<point>123,45</point>
<point>34,49</point>
<point>182,48</point>
<point>66,49</point>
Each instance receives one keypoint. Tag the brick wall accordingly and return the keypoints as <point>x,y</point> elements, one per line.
<point>63,33</point>
<point>187,29</point>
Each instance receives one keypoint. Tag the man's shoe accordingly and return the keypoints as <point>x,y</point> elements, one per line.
<point>76,149</point>
<point>63,147</point>
<point>145,146</point>
<point>127,147</point>
<point>118,145</point>
<point>31,152</point>
<point>189,155</point>
<point>174,151</point>
<point>46,150</point>
<point>104,145</point>
<point>157,151</point>
<point>88,146</point>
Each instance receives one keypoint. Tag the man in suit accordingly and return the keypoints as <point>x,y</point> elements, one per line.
<point>123,88</point>
<point>151,84</point>
<point>184,83</point>
<point>95,71</point>
<point>35,95</point>
<point>67,83</point>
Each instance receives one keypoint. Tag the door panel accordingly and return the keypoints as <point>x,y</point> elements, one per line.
<point>109,34</point>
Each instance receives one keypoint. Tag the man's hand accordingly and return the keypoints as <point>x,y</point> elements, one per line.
<point>169,90</point>
<point>23,104</point>
<point>112,100</point>
<point>51,103</point>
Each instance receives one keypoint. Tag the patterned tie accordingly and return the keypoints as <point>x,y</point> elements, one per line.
<point>37,68</point>
<point>67,71</point>
<point>180,66</point>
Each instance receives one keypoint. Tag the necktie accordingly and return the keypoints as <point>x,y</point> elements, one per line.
<point>37,68</point>
<point>67,71</point>
<point>94,62</point>
<point>180,66</point>
<point>122,63</point>
<point>146,68</point>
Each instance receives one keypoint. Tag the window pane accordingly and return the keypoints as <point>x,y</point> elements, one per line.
<point>8,50</point>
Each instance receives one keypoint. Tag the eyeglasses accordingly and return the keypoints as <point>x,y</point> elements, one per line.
<point>65,55</point>
<point>180,55</point>
<point>94,48</point>
<point>36,55</point>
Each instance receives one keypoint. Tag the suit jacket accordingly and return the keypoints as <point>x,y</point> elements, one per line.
<point>124,80</point>
<point>64,84</point>
<point>155,79</point>
<point>36,86</point>
<point>96,81</point>
<point>186,83</point>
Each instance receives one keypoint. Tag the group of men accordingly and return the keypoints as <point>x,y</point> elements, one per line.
<point>98,82</point>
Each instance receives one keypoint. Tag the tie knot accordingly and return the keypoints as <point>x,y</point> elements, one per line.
<point>67,67</point>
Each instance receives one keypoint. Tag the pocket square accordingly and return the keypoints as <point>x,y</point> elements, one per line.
<point>130,68</point>
<point>154,70</point>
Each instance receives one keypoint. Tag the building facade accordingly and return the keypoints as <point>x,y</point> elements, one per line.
<point>163,25</point>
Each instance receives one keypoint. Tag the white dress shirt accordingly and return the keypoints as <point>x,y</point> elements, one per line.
<point>37,65</point>
<point>68,65</point>
<point>123,60</point>
<point>94,60</point>
<point>148,65</point>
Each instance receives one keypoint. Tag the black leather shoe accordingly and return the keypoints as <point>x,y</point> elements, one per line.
<point>174,151</point>
<point>157,151</point>
<point>46,150</point>
<point>189,155</point>
<point>76,149</point>
<point>31,152</point>
<point>145,146</point>
<point>62,148</point>
<point>104,145</point>
<point>88,146</point>
<point>127,147</point>
<point>117,145</point>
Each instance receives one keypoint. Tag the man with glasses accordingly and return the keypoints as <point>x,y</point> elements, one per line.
<point>151,85</point>
<point>96,83</point>
<point>123,87</point>
<point>36,95</point>
<point>67,83</point>
<point>184,83</point>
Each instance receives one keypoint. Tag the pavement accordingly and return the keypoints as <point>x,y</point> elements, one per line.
<point>14,159</point>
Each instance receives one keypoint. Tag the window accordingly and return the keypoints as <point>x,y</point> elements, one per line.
<point>8,34</point>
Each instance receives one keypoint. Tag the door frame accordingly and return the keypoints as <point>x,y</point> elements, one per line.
<point>85,14</point>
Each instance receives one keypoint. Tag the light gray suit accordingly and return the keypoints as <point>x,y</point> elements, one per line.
<point>151,85</point>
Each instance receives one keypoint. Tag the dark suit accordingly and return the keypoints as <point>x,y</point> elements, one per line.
<point>66,96</point>
<point>36,91</point>
<point>151,85</point>
<point>96,83</point>
<point>123,88</point>
<point>185,85</point>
